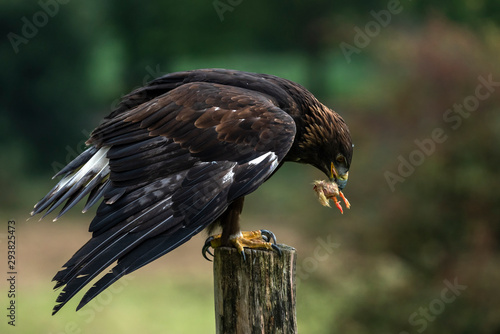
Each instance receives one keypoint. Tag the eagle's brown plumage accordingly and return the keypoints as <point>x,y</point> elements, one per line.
<point>179,155</point>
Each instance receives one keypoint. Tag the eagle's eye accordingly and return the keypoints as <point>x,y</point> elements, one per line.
<point>340,158</point>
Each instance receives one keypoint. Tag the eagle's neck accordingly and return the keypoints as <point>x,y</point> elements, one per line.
<point>317,127</point>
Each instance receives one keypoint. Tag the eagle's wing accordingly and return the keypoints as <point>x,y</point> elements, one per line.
<point>166,169</point>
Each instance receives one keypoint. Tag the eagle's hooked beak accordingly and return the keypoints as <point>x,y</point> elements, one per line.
<point>341,180</point>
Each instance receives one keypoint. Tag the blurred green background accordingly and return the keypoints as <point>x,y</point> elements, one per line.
<point>418,84</point>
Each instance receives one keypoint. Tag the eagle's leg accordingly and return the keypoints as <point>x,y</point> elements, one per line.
<point>233,236</point>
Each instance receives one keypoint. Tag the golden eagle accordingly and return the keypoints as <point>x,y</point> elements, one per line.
<point>179,155</point>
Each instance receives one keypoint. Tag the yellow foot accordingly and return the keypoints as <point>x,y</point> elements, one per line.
<point>253,239</point>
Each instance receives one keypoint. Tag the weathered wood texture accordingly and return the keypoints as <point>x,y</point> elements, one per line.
<point>256,295</point>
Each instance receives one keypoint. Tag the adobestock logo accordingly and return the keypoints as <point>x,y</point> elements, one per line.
<point>425,315</point>
<point>151,74</point>
<point>324,249</point>
<point>225,6</point>
<point>372,29</point>
<point>454,117</point>
<point>72,152</point>
<point>31,27</point>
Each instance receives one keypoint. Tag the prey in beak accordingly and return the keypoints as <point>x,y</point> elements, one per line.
<point>327,190</point>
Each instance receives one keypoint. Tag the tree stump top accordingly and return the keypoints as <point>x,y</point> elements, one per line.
<point>256,295</point>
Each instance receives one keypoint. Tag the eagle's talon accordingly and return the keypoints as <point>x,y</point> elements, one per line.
<point>204,252</point>
<point>206,248</point>
<point>268,236</point>
<point>276,248</point>
<point>255,239</point>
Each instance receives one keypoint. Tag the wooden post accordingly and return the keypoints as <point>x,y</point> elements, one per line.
<point>256,295</point>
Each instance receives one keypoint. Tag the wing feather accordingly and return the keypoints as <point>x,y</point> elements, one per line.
<point>174,162</point>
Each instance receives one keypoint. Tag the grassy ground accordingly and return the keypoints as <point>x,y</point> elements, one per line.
<point>174,293</point>
<point>171,295</point>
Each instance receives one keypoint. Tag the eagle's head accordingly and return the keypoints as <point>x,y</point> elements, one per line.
<point>326,144</point>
